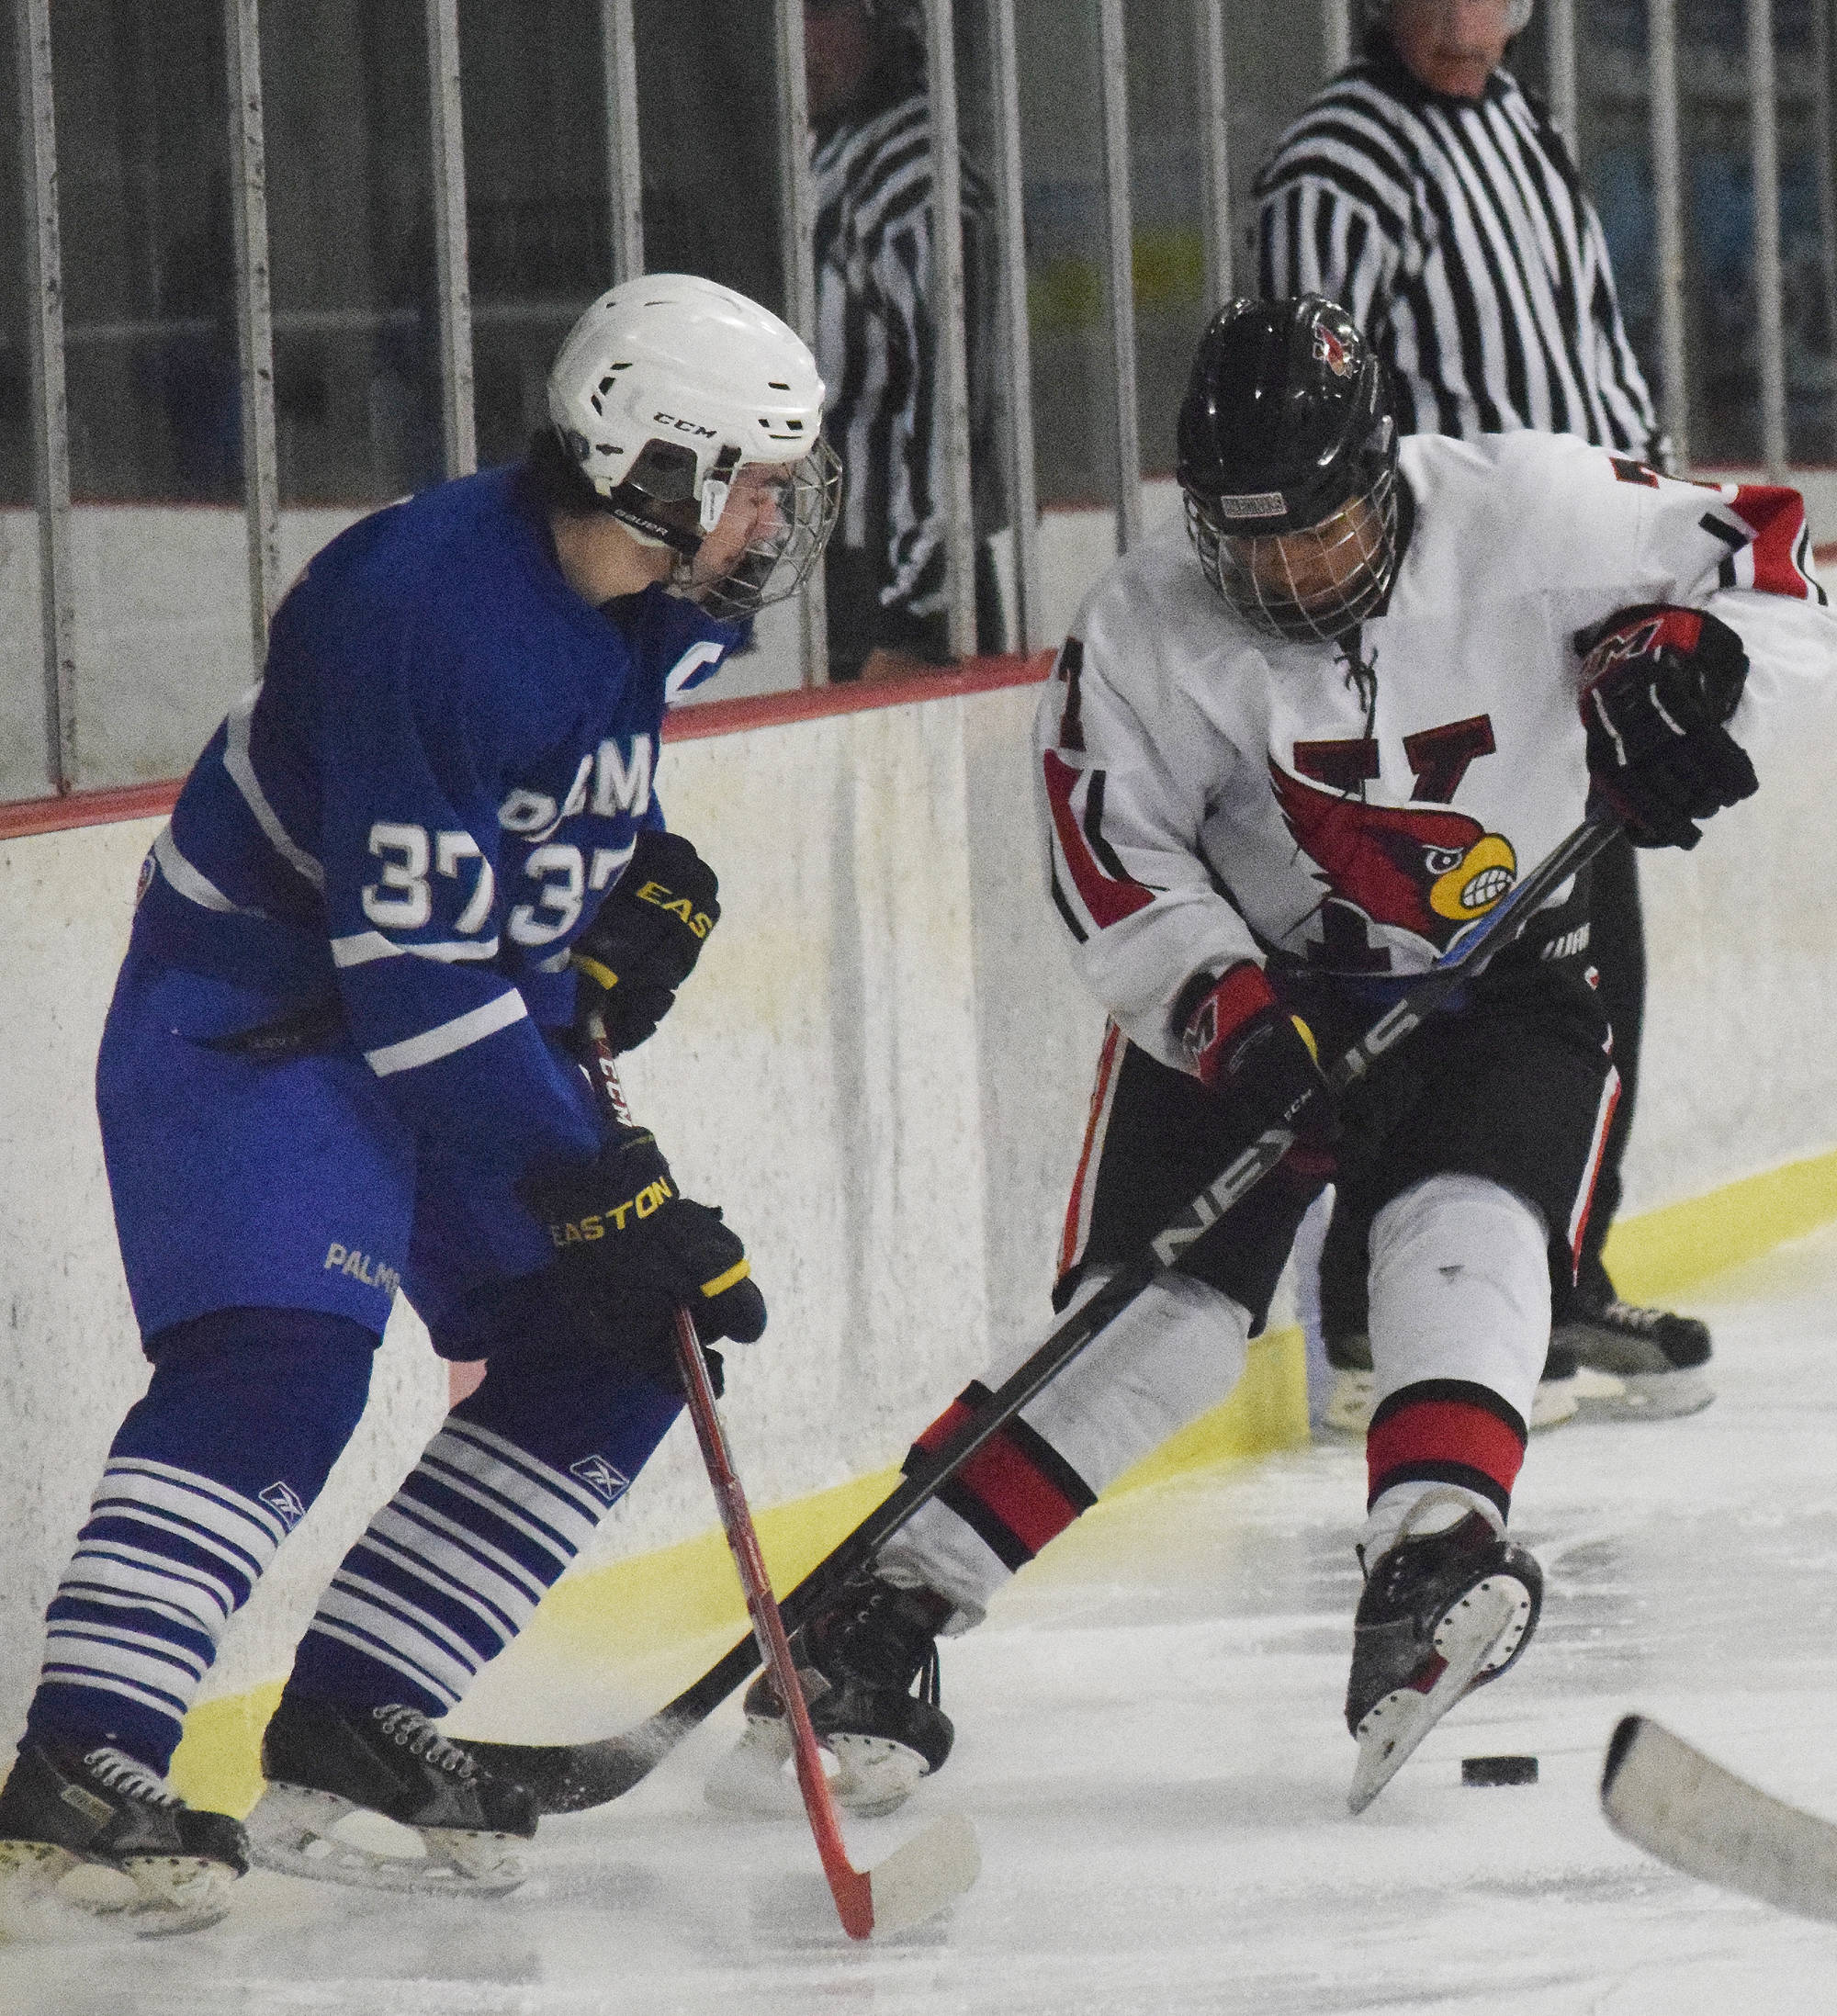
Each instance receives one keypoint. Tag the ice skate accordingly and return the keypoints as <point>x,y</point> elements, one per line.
<point>1655,1359</point>
<point>326,1764</point>
<point>1442,1613</point>
<point>64,1807</point>
<point>869,1665</point>
<point>1349,1404</point>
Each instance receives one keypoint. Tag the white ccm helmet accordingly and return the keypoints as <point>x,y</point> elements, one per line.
<point>664,390</point>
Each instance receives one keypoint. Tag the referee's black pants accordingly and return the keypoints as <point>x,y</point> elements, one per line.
<point>1617,948</point>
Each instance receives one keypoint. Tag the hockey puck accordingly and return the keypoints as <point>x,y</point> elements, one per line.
<point>1498,1771</point>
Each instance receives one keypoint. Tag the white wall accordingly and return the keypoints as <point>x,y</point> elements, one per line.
<point>162,645</point>
<point>881,1069</point>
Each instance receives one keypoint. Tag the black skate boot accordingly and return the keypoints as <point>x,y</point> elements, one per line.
<point>64,1805</point>
<point>869,1665</point>
<point>1349,1404</point>
<point>1442,1614</point>
<point>1652,1360</point>
<point>323,1760</point>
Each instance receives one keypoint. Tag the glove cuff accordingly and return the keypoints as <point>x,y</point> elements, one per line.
<point>1238,997</point>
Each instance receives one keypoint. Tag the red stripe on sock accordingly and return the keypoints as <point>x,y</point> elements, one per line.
<point>1032,1508</point>
<point>1443,1431</point>
<point>949,1425</point>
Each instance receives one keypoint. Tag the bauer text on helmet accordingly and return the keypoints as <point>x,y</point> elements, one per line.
<point>666,389</point>
<point>1288,463</point>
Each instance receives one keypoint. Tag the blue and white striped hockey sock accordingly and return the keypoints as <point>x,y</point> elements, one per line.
<point>503,1500</point>
<point>232,1441</point>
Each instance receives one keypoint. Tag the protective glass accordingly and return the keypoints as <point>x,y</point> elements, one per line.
<point>1310,586</point>
<point>775,563</point>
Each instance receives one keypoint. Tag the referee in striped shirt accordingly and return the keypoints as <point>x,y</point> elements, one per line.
<point>1431,196</point>
<point>877,342</point>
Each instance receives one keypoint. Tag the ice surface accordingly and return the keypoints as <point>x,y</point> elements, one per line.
<point>1151,1749</point>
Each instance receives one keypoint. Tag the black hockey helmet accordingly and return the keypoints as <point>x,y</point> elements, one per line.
<point>1286,428</point>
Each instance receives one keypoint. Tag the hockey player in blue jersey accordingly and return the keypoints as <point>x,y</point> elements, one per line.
<point>337,1065</point>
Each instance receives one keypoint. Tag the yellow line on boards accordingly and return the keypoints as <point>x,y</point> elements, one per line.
<point>664,1616</point>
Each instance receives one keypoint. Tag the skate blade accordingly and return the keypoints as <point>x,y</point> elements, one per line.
<point>1350,1404</point>
<point>153,1896</point>
<point>1649,1396</point>
<point>874,1776</point>
<point>1349,1407</point>
<point>1478,1626</point>
<point>291,1831</point>
<point>1554,1402</point>
<point>178,1894</point>
<point>869,1776</point>
<point>752,1778</point>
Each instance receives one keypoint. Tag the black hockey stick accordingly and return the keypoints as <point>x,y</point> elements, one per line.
<point>570,1777</point>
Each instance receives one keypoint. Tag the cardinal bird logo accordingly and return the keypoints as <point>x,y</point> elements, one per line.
<point>1430,873</point>
<point>1330,351</point>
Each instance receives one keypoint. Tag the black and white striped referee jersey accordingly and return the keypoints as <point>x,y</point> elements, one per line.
<point>876,347</point>
<point>1458,238</point>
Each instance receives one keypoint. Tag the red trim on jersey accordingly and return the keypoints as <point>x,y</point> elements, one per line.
<point>1108,899</point>
<point>1440,1432</point>
<point>1034,1509</point>
<point>1585,1198</point>
<point>1077,1207</point>
<point>1777,518</point>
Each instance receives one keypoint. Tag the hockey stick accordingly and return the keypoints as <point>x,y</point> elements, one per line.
<point>570,1777</point>
<point>1667,1798</point>
<point>923,1874</point>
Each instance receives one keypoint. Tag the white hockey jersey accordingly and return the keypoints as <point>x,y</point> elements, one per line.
<point>1210,794</point>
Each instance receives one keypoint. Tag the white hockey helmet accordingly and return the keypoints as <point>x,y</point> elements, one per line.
<point>664,390</point>
<point>1374,13</point>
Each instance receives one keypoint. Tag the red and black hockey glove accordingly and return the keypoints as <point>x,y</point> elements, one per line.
<point>1658,685</point>
<point>645,938</point>
<point>1260,1060</point>
<point>630,1251</point>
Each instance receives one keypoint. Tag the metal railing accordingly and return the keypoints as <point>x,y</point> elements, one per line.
<point>256,322</point>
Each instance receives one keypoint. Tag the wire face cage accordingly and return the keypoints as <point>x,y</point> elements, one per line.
<point>1309,586</point>
<point>773,568</point>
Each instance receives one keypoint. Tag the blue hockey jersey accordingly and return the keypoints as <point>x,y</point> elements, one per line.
<point>424,803</point>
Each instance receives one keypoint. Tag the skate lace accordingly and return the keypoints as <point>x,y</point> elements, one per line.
<point>117,1772</point>
<point>419,1737</point>
<point>1630,1316</point>
<point>882,1641</point>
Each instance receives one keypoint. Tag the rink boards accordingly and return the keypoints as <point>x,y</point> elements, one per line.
<point>881,1070</point>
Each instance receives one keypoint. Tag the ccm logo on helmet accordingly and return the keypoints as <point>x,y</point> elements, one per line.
<point>683,426</point>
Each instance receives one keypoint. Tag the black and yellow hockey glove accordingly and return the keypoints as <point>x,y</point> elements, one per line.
<point>630,1250</point>
<point>644,941</point>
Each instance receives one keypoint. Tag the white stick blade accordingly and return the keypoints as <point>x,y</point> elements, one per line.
<point>924,1874</point>
<point>1678,1805</point>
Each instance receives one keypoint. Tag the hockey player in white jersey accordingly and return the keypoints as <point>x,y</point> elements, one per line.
<point>1283,761</point>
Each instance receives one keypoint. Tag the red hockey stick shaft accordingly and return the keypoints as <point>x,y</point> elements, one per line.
<point>852,1891</point>
<point>935,1865</point>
